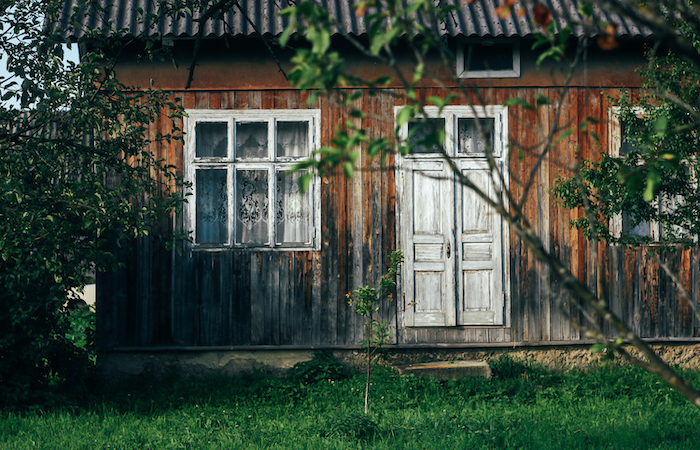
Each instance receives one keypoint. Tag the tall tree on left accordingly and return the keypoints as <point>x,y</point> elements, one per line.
<point>77,177</point>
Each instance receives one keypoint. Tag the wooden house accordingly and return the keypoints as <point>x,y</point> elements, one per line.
<point>269,268</point>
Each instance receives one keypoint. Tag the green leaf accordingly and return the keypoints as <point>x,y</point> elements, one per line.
<point>564,35</point>
<point>348,169</point>
<point>653,183</point>
<point>660,125</point>
<point>405,114</point>
<point>376,147</point>
<point>383,80</point>
<point>586,10</point>
<point>287,33</point>
<point>414,5</point>
<point>418,73</point>
<point>541,100</point>
<point>598,347</point>
<point>565,134</point>
<point>305,181</point>
<point>517,101</point>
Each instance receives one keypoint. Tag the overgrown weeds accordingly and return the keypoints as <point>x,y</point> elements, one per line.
<point>319,407</point>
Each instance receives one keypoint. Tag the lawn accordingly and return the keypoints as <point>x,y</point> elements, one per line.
<point>522,406</point>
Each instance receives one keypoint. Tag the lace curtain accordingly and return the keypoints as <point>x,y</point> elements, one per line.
<point>293,210</point>
<point>211,139</point>
<point>469,138</point>
<point>252,201</point>
<point>292,139</point>
<point>251,140</point>
<point>212,214</point>
<point>419,130</point>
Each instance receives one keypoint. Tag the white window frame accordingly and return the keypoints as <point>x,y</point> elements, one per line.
<point>509,73</point>
<point>453,113</point>
<point>615,140</point>
<point>271,164</point>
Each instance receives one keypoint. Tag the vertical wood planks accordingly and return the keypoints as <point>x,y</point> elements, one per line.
<point>236,297</point>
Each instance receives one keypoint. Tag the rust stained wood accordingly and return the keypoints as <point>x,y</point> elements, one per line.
<point>227,99</point>
<point>298,298</point>
<point>346,313</point>
<point>317,301</point>
<point>284,319</point>
<point>329,237</point>
<point>357,219</point>
<point>531,142</point>
<point>517,129</point>
<point>257,304</point>
<point>685,320</point>
<point>545,121</point>
<point>388,224</point>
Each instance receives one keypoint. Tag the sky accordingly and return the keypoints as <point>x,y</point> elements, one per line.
<point>70,55</point>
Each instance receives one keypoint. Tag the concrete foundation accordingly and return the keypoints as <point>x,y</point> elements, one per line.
<point>121,365</point>
<point>447,370</point>
<point>118,366</point>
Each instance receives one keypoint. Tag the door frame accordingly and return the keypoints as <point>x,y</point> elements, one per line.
<point>403,222</point>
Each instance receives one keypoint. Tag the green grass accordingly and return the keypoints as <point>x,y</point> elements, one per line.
<point>521,407</point>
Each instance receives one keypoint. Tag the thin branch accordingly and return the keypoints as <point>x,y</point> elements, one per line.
<point>681,289</point>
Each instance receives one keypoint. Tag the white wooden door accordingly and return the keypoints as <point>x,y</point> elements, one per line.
<point>429,286</point>
<point>479,259</point>
<point>453,242</point>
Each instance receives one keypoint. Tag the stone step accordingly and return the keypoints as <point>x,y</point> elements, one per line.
<point>447,370</point>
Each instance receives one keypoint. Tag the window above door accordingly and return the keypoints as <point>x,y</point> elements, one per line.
<point>488,58</point>
<point>465,131</point>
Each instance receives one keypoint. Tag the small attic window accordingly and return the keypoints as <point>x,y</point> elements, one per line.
<point>488,58</point>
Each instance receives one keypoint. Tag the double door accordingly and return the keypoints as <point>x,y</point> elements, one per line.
<point>453,243</point>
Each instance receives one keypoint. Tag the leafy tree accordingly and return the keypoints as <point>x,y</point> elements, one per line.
<point>413,28</point>
<point>655,181</point>
<point>77,176</point>
<point>365,301</point>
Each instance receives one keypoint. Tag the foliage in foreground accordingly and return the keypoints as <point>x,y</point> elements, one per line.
<point>523,406</point>
<point>77,178</point>
<point>654,179</point>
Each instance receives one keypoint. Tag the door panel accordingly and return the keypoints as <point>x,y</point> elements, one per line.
<point>430,284</point>
<point>480,265</point>
<point>453,241</point>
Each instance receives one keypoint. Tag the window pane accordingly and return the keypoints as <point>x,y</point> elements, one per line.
<point>251,140</point>
<point>480,57</point>
<point>293,210</point>
<point>212,139</point>
<point>212,215</point>
<point>629,133</point>
<point>252,201</point>
<point>642,229</point>
<point>292,139</point>
<point>419,130</point>
<point>470,140</point>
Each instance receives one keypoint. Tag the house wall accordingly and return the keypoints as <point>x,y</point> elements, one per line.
<point>185,298</point>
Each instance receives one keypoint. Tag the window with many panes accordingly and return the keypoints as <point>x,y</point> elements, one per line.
<point>243,192</point>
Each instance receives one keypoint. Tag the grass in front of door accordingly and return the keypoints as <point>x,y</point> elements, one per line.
<point>522,406</point>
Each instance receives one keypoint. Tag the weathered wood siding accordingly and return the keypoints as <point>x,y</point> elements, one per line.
<point>192,298</point>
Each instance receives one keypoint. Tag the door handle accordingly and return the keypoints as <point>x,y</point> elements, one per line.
<point>449,250</point>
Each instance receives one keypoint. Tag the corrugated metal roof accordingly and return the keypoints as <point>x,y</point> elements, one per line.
<point>251,17</point>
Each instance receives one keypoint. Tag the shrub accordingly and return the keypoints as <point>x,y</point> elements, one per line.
<point>321,367</point>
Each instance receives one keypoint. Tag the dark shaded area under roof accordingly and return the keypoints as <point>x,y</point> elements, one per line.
<point>253,17</point>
